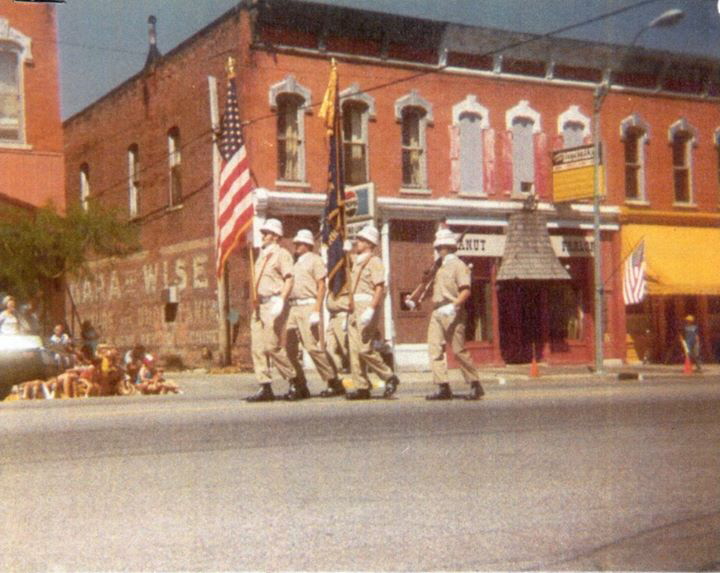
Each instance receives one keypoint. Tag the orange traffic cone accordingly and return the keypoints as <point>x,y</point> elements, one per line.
<point>687,368</point>
<point>534,370</point>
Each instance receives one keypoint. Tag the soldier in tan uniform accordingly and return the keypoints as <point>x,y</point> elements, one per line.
<point>336,337</point>
<point>273,282</point>
<point>336,333</point>
<point>451,288</point>
<point>306,299</point>
<point>367,290</point>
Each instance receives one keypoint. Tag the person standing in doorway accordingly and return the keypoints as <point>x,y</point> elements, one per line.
<point>306,299</point>
<point>451,288</point>
<point>367,280</point>
<point>273,283</point>
<point>691,339</point>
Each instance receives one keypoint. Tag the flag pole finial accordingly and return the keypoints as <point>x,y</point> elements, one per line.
<point>230,68</point>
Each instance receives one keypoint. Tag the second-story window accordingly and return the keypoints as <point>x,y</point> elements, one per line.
<point>10,96</point>
<point>634,172</point>
<point>133,180</point>
<point>681,143</point>
<point>523,154</point>
<point>85,186</point>
<point>471,153</point>
<point>413,148</point>
<point>573,134</point>
<point>290,143</point>
<point>175,167</point>
<point>355,156</point>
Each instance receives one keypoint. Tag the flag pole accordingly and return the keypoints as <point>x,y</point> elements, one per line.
<point>222,282</point>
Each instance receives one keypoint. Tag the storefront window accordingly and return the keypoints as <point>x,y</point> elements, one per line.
<point>479,307</point>
<point>566,312</point>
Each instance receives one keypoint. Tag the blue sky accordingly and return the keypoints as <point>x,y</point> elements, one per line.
<point>104,42</point>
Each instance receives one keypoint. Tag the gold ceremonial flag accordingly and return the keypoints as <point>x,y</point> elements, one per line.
<point>327,109</point>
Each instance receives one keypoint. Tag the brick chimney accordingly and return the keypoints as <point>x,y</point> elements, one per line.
<point>153,53</point>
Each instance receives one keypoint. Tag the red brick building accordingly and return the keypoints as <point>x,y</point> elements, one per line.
<point>31,138</point>
<point>443,124</point>
<point>31,144</point>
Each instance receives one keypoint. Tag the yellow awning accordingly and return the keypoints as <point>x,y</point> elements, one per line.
<point>679,260</point>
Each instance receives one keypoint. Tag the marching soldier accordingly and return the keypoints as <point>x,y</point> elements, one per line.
<point>367,286</point>
<point>451,289</point>
<point>306,298</point>
<point>336,333</point>
<point>273,283</point>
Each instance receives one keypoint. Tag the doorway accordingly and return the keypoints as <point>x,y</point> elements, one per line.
<point>520,317</point>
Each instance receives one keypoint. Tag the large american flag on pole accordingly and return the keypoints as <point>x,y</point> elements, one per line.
<point>235,207</point>
<point>333,229</point>
<point>634,283</point>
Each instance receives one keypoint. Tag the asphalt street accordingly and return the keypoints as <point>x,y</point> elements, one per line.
<point>562,476</point>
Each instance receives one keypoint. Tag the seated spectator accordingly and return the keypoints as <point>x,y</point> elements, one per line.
<point>36,390</point>
<point>61,344</point>
<point>90,338</point>
<point>152,380</point>
<point>134,359</point>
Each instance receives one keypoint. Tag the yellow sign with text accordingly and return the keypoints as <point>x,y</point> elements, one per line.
<point>574,174</point>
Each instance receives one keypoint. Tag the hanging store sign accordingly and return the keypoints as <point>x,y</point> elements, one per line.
<point>485,245</point>
<point>574,174</point>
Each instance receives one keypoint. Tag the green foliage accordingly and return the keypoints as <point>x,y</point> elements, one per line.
<point>44,246</point>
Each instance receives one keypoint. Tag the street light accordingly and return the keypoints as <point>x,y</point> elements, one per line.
<point>664,20</point>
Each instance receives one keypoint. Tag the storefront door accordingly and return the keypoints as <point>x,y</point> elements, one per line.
<point>520,315</point>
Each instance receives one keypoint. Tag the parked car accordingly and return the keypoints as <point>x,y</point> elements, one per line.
<point>23,357</point>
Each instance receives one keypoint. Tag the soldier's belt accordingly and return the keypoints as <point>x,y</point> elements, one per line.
<point>265,299</point>
<point>302,301</point>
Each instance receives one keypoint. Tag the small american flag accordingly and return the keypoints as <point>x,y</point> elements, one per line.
<point>235,207</point>
<point>634,284</point>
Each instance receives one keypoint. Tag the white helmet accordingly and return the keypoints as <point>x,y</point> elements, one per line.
<point>370,234</point>
<point>304,236</point>
<point>445,238</point>
<point>273,226</point>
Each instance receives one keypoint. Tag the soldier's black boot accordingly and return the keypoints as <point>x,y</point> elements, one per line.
<point>359,394</point>
<point>265,394</point>
<point>391,386</point>
<point>335,388</point>
<point>443,393</point>
<point>298,390</point>
<point>476,391</point>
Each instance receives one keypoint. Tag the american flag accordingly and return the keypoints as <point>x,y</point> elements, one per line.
<point>333,229</point>
<point>634,284</point>
<point>235,208</point>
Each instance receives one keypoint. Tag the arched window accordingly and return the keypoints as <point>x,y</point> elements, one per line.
<point>290,142</point>
<point>10,96</point>
<point>573,127</point>
<point>133,156</point>
<point>84,186</point>
<point>467,151</point>
<point>175,167</point>
<point>523,122</point>
<point>290,101</point>
<point>682,138</point>
<point>355,155</point>
<point>414,113</point>
<point>357,110</point>
<point>634,133</point>
<point>15,50</point>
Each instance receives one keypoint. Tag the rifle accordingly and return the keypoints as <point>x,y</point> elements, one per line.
<point>415,298</point>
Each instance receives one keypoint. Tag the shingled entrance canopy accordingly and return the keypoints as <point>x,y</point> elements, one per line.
<point>529,255</point>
